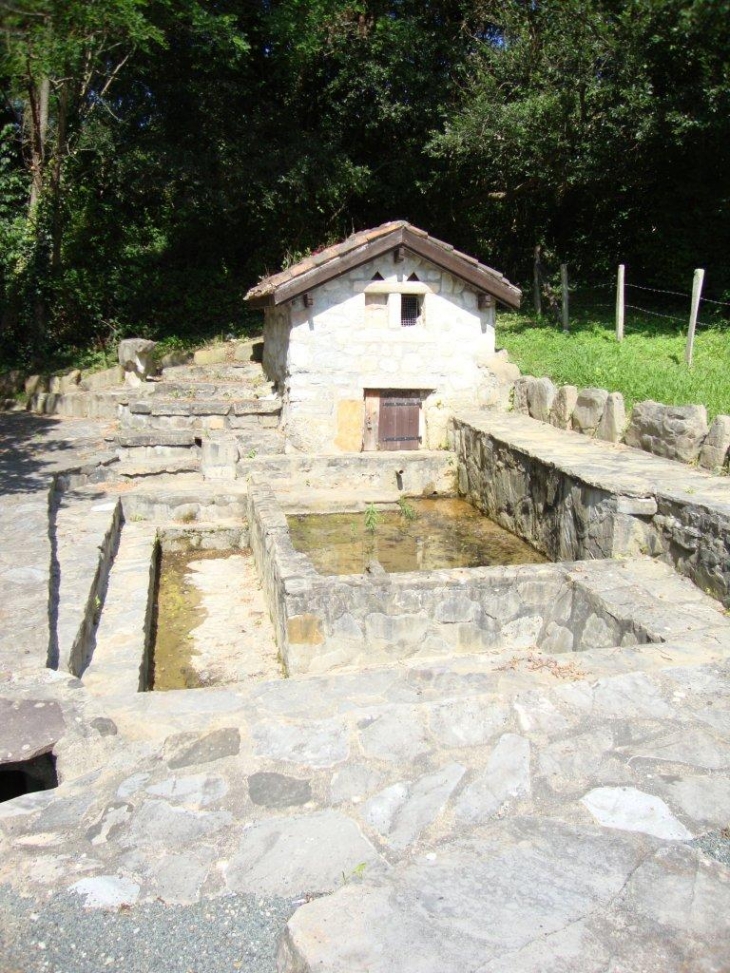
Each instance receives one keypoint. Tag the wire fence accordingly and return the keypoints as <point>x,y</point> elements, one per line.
<point>583,296</point>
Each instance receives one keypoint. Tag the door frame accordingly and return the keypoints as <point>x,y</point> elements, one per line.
<point>371,426</point>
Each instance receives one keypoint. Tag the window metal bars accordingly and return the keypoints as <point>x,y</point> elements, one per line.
<point>409,310</point>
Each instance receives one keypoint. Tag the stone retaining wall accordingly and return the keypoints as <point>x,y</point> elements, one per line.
<point>157,413</point>
<point>569,518</point>
<point>416,473</point>
<point>679,432</point>
<point>325,623</point>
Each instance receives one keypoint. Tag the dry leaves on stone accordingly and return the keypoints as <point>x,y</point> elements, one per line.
<point>536,663</point>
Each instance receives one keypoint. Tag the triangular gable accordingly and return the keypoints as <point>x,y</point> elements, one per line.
<point>362,247</point>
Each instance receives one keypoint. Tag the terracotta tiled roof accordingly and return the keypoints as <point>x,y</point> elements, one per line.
<point>368,244</point>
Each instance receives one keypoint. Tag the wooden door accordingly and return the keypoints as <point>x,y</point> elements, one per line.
<point>372,417</point>
<point>399,419</point>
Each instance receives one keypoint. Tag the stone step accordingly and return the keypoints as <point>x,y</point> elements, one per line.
<point>211,415</point>
<point>157,445</point>
<point>157,467</point>
<point>187,503</point>
<point>80,405</point>
<point>86,535</point>
<point>174,438</point>
<point>202,391</point>
<point>270,406</point>
<point>237,372</point>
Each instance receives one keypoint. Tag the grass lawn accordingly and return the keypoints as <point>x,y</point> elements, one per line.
<point>648,364</point>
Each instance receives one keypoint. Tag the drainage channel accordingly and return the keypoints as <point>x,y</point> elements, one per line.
<point>184,610</point>
<point>84,531</point>
<point>210,625</point>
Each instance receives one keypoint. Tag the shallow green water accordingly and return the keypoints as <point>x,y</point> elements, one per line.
<point>444,534</point>
<point>179,611</point>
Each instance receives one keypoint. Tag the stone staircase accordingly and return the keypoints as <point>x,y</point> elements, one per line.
<point>198,418</point>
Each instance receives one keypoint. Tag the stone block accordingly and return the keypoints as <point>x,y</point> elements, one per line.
<point>105,379</point>
<point>636,506</point>
<point>60,384</point>
<point>136,357</point>
<point>167,407</point>
<point>214,423</point>
<point>285,855</point>
<point>248,423</point>
<point>402,811</point>
<point>613,421</point>
<point>588,410</point>
<point>210,408</point>
<point>562,407</point>
<point>216,453</point>
<point>268,789</point>
<point>540,397</point>
<point>189,749</point>
<point>673,431</point>
<point>36,385</point>
<point>520,401</point>
<point>714,452</point>
<point>215,355</point>
<point>305,629</point>
<point>173,358</point>
<point>11,383</point>
<point>500,366</point>
<point>28,727</point>
<point>350,415</point>
<point>243,351</point>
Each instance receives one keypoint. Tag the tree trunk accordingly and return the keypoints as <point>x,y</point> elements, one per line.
<point>57,176</point>
<point>38,101</point>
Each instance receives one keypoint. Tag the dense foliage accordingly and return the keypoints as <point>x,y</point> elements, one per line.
<point>157,156</point>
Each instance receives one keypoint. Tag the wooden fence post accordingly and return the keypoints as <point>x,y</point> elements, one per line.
<point>537,288</point>
<point>620,286</point>
<point>564,286</point>
<point>694,310</point>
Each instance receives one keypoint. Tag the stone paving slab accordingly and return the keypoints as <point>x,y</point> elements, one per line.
<point>25,577</point>
<point>617,753</point>
<point>28,727</point>
<point>524,895</point>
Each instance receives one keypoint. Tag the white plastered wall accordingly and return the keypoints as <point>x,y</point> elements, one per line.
<point>349,341</point>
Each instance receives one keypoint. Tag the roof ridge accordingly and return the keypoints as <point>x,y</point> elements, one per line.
<point>314,267</point>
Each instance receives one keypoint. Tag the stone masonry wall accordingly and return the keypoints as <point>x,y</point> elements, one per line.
<point>569,519</point>
<point>325,623</point>
<point>421,473</point>
<point>349,341</point>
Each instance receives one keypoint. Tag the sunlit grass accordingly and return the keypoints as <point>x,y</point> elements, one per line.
<point>648,364</point>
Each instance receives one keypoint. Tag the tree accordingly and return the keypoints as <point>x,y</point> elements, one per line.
<point>59,64</point>
<point>579,120</point>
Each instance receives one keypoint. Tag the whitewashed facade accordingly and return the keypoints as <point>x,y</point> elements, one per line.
<point>334,348</point>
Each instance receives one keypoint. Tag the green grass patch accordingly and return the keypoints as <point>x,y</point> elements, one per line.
<point>647,364</point>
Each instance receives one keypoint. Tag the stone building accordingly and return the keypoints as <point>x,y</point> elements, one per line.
<point>374,342</point>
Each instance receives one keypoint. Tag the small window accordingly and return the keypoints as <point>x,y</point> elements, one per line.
<point>410,310</point>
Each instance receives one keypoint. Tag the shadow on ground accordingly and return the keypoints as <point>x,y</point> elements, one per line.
<point>33,447</point>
